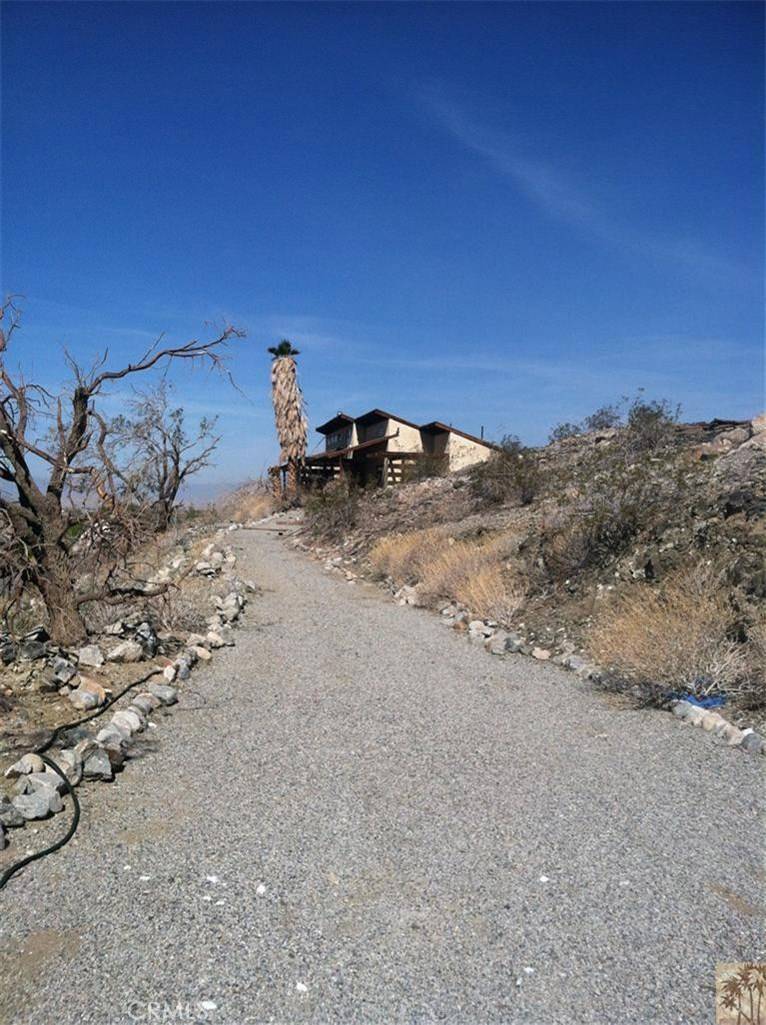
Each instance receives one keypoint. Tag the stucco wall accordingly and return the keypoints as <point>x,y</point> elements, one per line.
<point>408,439</point>
<point>463,452</point>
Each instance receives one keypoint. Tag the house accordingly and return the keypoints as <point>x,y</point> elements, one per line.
<point>380,447</point>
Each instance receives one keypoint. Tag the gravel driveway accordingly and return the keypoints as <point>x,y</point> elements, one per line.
<point>355,816</point>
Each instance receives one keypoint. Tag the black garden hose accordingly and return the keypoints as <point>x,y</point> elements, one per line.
<point>17,865</point>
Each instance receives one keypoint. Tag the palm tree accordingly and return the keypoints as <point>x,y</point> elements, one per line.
<point>289,413</point>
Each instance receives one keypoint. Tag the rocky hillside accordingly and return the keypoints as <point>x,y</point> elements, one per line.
<point>639,546</point>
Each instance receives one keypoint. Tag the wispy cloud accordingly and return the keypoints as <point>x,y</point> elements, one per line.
<point>551,190</point>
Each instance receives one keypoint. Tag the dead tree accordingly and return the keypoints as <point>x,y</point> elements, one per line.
<point>161,454</point>
<point>37,476</point>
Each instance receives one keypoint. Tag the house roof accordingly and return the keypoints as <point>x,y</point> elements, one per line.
<point>434,427</point>
<point>335,423</point>
<point>437,427</point>
<point>381,414</point>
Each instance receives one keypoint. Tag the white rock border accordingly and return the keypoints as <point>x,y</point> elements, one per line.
<point>498,641</point>
<point>38,789</point>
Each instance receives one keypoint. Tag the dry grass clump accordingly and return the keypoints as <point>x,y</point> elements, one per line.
<point>404,557</point>
<point>471,573</point>
<point>252,507</point>
<point>252,501</point>
<point>677,635</point>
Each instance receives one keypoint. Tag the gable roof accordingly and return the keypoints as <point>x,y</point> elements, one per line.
<point>437,427</point>
<point>335,423</point>
<point>381,414</point>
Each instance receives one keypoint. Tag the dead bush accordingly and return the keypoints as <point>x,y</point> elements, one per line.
<point>679,635</point>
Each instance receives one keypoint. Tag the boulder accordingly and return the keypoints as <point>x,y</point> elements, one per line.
<point>753,743</point>
<point>91,655</point>
<point>39,804</point>
<point>147,638</point>
<point>126,651</point>
<point>49,778</point>
<point>31,651</point>
<point>8,649</point>
<point>498,643</point>
<point>84,699</point>
<point>144,703</point>
<point>542,654</point>
<point>63,671</point>
<point>202,653</point>
<point>70,761</point>
<point>98,766</point>
<point>167,695</point>
<point>130,720</point>
<point>214,640</point>
<point>26,764</point>
<point>115,629</point>
<point>479,628</point>
<point>112,734</point>
<point>169,673</point>
<point>710,720</point>
<point>10,816</point>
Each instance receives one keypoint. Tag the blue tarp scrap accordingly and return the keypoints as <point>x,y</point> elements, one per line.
<point>713,701</point>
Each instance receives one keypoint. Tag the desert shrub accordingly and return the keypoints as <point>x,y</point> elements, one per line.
<point>603,419</point>
<point>678,635</point>
<point>512,473</point>
<point>650,426</point>
<point>631,483</point>
<point>332,510</point>
<point>425,468</point>
<point>565,430</point>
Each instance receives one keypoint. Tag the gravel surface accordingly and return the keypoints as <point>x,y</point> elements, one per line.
<point>357,816</point>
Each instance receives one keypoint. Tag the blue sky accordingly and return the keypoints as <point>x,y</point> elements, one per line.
<point>500,215</point>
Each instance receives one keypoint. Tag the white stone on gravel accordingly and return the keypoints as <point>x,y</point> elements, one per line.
<point>26,764</point>
<point>126,651</point>
<point>98,766</point>
<point>83,699</point>
<point>167,695</point>
<point>111,734</point>
<point>143,703</point>
<point>169,673</point>
<point>214,640</point>
<point>10,816</point>
<point>39,804</point>
<point>45,779</point>
<point>710,720</point>
<point>70,761</point>
<point>125,717</point>
<point>90,655</point>
<point>202,653</point>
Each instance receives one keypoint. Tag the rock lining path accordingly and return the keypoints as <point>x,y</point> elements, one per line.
<point>356,816</point>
